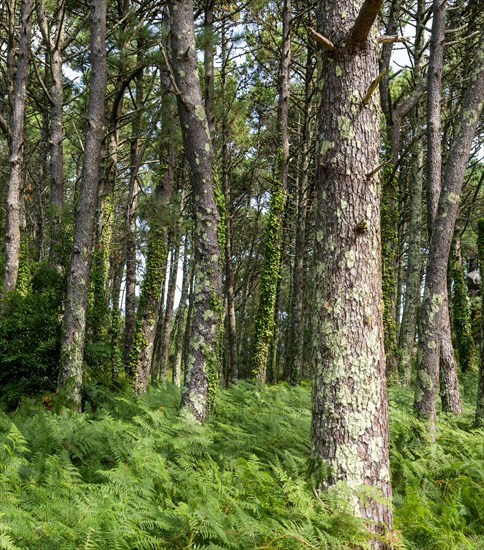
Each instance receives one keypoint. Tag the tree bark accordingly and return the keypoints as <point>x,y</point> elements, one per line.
<point>201,382</point>
<point>479,417</point>
<point>72,345</point>
<point>170,302</point>
<point>12,236</point>
<point>55,46</point>
<point>233,367</point>
<point>264,323</point>
<point>436,278</point>
<point>294,361</point>
<point>350,419</point>
<point>181,317</point>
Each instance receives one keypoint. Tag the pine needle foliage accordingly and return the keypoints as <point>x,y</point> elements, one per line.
<point>133,474</point>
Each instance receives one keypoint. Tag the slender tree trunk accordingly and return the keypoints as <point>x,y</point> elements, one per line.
<point>55,46</point>
<point>448,206</point>
<point>180,321</point>
<point>449,383</point>
<point>479,418</point>
<point>72,346</point>
<point>141,356</point>
<point>233,368</point>
<point>264,323</point>
<point>131,212</point>
<point>12,236</point>
<point>295,349</point>
<point>413,276</point>
<point>170,302</point>
<point>201,382</point>
<point>350,419</point>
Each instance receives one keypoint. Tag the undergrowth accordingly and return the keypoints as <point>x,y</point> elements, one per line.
<point>134,475</point>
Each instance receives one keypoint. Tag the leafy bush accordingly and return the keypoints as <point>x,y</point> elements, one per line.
<point>30,332</point>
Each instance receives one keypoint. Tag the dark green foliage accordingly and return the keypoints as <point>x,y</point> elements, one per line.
<point>30,330</point>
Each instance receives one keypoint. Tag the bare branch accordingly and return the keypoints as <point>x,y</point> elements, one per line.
<point>392,39</point>
<point>373,87</point>
<point>368,13</point>
<point>320,39</point>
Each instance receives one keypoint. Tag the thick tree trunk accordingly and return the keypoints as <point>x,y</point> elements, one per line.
<point>264,323</point>
<point>201,381</point>
<point>448,206</point>
<point>350,419</point>
<point>72,346</point>
<point>12,236</point>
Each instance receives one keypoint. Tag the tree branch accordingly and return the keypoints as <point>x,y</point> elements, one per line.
<point>368,13</point>
<point>320,39</point>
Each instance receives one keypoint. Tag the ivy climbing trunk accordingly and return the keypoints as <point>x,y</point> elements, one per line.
<point>202,369</point>
<point>17,135</point>
<point>350,418</point>
<point>264,322</point>
<point>141,356</point>
<point>435,294</point>
<point>72,346</point>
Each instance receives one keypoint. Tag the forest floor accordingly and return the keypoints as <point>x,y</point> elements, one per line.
<point>132,474</point>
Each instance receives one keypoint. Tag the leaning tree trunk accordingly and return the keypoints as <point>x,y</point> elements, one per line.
<point>201,381</point>
<point>72,346</point>
<point>435,294</point>
<point>12,236</point>
<point>350,419</point>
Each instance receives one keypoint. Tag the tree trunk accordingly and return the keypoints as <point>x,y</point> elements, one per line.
<point>233,368</point>
<point>170,302</point>
<point>350,419</point>
<point>449,383</point>
<point>12,236</point>
<point>72,345</point>
<point>264,323</point>
<point>180,322</point>
<point>448,206</point>
<point>55,46</point>
<point>479,418</point>
<point>201,382</point>
<point>294,362</point>
<point>413,276</point>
